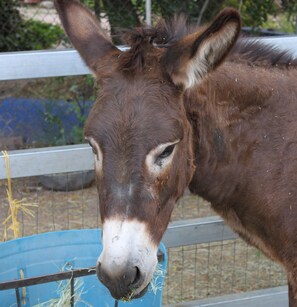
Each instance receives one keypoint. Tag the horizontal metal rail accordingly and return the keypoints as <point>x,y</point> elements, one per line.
<point>50,160</point>
<point>32,281</point>
<point>26,282</point>
<point>42,64</point>
<point>197,231</point>
<point>39,64</point>
<point>271,297</point>
<point>53,63</point>
<point>37,280</point>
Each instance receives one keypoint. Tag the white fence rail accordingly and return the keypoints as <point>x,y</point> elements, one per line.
<point>35,162</point>
<point>39,64</point>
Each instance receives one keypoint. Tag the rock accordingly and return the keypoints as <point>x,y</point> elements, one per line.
<point>31,1</point>
<point>68,181</point>
<point>47,4</point>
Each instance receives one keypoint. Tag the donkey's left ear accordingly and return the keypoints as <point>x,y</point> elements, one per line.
<point>189,60</point>
<point>87,36</point>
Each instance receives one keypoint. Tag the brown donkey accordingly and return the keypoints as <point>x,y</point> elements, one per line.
<point>188,107</point>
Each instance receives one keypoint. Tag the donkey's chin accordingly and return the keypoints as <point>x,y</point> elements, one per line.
<point>134,294</point>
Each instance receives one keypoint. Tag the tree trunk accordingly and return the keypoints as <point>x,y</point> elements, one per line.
<point>97,8</point>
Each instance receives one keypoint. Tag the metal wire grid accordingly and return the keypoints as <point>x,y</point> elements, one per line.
<point>114,15</point>
<point>194,272</point>
<point>216,269</point>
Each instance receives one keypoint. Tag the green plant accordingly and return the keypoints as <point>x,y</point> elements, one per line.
<point>79,105</point>
<point>10,21</point>
<point>281,23</point>
<point>36,35</point>
<point>17,34</point>
<point>79,95</point>
<point>54,130</point>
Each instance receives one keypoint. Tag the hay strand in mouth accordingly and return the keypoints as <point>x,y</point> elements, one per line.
<point>156,283</point>
<point>15,206</point>
<point>128,298</point>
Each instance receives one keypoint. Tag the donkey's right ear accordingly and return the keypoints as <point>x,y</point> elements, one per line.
<point>189,60</point>
<point>86,35</point>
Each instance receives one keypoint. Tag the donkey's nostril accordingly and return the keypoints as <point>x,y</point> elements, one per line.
<point>121,281</point>
<point>137,277</point>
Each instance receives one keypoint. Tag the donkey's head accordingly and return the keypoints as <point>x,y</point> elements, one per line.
<point>139,132</point>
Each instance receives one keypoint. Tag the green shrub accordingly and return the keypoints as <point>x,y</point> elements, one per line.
<point>17,34</point>
<point>36,35</point>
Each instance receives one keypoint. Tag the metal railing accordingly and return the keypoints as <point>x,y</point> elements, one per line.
<point>39,64</point>
<point>69,274</point>
<point>26,65</point>
<point>37,280</point>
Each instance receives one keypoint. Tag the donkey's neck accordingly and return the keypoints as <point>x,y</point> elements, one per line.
<point>223,112</point>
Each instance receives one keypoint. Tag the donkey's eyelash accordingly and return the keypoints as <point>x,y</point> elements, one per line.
<point>93,148</point>
<point>93,145</point>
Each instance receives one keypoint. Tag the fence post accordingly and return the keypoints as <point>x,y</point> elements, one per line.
<point>148,12</point>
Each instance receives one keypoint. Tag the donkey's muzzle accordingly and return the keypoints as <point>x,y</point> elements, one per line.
<point>120,281</point>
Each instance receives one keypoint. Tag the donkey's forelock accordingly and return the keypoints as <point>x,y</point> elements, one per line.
<point>146,44</point>
<point>163,34</point>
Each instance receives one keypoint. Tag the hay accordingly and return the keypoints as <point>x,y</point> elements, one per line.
<point>156,284</point>
<point>64,293</point>
<point>15,206</point>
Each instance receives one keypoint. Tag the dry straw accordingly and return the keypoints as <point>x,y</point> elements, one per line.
<point>64,293</point>
<point>157,284</point>
<point>15,206</point>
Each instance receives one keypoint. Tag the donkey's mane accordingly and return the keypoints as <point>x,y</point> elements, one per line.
<point>256,53</point>
<point>166,33</point>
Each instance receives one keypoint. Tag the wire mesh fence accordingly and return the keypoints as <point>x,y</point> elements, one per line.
<point>194,272</point>
<point>217,269</point>
<point>34,24</point>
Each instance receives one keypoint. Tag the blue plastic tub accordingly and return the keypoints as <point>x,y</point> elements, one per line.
<point>51,253</point>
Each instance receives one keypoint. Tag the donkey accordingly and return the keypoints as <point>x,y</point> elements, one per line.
<point>195,107</point>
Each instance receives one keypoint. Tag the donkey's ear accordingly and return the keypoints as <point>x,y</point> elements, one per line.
<point>86,35</point>
<point>190,59</point>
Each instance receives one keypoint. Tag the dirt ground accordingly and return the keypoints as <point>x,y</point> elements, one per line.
<point>194,272</point>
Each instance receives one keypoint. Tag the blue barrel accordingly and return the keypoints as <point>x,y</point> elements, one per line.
<point>53,252</point>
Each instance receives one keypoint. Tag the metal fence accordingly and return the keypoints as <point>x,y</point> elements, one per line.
<point>205,258</point>
<point>34,24</point>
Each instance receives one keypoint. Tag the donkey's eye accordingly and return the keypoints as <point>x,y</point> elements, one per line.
<point>167,152</point>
